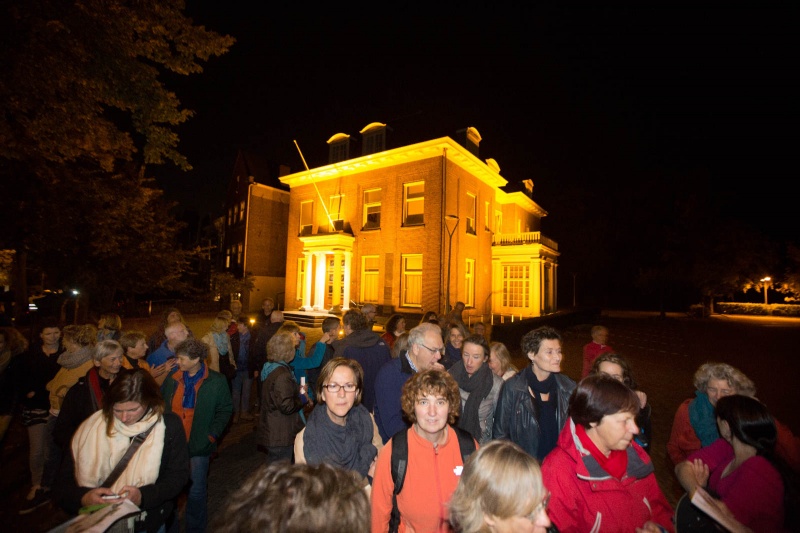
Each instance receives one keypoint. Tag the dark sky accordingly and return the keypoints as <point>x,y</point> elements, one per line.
<point>588,103</point>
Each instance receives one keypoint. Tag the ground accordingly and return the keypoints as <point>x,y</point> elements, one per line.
<point>664,353</point>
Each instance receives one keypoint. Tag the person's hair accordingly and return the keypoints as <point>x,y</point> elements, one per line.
<point>135,386</point>
<point>329,323</point>
<point>502,354</point>
<point>219,325</point>
<point>600,395</point>
<point>627,375</point>
<point>400,345</point>
<point>597,329</point>
<point>476,324</point>
<point>280,348</point>
<point>432,381</point>
<point>327,371</point>
<point>130,339</point>
<point>478,340</point>
<point>168,311</point>
<point>175,326</point>
<point>750,422</point>
<point>501,481</point>
<point>369,308</point>
<point>194,348</point>
<point>735,378</point>
<point>82,335</point>
<point>391,324</point>
<point>454,325</point>
<point>532,340</point>
<point>417,334</point>
<point>355,319</point>
<point>106,348</point>
<point>16,343</point>
<point>48,323</point>
<point>276,316</point>
<point>289,326</point>
<point>297,498</point>
<point>431,317</point>
<point>225,315</point>
<point>268,298</point>
<point>112,321</point>
<point>235,302</point>
<point>243,319</point>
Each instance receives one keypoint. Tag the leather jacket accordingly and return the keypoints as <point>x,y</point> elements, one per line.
<point>516,417</point>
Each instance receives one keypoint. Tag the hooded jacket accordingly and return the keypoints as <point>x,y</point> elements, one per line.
<point>372,352</point>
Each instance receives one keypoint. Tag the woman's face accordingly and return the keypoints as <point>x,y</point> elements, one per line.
<point>128,412</point>
<point>138,351</point>
<point>50,336</point>
<point>536,522</point>
<point>473,357</point>
<point>400,327</point>
<point>494,364</point>
<point>109,366</point>
<point>340,402</point>
<point>456,338</point>
<point>614,432</point>
<point>612,370</point>
<point>548,358</point>
<point>431,411</point>
<point>718,388</point>
<point>296,335</point>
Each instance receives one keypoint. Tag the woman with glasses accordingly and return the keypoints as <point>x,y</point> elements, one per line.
<point>598,477</point>
<point>340,431</point>
<point>500,491</point>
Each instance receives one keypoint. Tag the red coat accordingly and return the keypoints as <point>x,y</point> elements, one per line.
<point>584,498</point>
<point>591,352</point>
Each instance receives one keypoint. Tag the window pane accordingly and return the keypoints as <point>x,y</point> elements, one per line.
<point>412,281</point>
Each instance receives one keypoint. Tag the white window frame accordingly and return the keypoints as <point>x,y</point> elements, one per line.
<point>370,278</point>
<point>335,207</point>
<point>469,282</point>
<point>308,228</point>
<point>301,277</point>
<point>412,201</point>
<point>472,213</point>
<point>411,284</point>
<point>368,205</point>
<point>516,285</point>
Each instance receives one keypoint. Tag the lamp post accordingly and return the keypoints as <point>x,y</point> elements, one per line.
<point>764,284</point>
<point>450,233</point>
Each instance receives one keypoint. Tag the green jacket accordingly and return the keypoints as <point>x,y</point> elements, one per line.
<point>212,410</point>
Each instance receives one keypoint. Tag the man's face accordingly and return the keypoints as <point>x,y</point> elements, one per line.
<point>236,308</point>
<point>268,306</point>
<point>370,314</point>
<point>427,355</point>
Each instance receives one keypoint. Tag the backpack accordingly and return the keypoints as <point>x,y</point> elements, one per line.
<point>400,461</point>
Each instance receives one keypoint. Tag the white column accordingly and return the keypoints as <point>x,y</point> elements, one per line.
<point>348,260</point>
<point>319,283</point>
<point>337,279</point>
<point>307,281</point>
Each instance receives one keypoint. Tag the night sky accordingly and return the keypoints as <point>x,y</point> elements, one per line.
<point>601,108</point>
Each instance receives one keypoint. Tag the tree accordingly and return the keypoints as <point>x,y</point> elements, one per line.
<point>83,111</point>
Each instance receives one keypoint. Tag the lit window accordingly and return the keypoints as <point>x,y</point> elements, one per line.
<point>230,216</point>
<point>235,212</point>
<point>306,217</point>
<point>240,254</point>
<point>241,210</point>
<point>515,285</point>
<point>369,278</point>
<point>301,278</point>
<point>498,222</point>
<point>372,208</point>
<point>228,259</point>
<point>335,212</point>
<point>411,291</point>
<point>469,283</point>
<point>472,213</point>
<point>331,278</point>
<point>413,203</point>
<point>486,216</point>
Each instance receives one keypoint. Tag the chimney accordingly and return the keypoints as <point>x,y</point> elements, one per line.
<point>470,139</point>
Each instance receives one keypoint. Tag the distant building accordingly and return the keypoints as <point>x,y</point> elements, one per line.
<point>255,222</point>
<point>377,228</point>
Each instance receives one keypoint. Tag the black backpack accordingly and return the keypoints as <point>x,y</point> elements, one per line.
<point>400,462</point>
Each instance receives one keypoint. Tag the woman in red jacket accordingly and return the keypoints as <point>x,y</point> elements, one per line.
<point>598,477</point>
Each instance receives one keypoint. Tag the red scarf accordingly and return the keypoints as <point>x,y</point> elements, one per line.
<point>95,390</point>
<point>615,464</point>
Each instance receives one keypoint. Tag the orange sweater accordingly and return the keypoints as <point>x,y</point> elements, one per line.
<point>431,479</point>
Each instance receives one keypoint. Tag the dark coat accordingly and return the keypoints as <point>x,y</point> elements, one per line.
<point>280,420</point>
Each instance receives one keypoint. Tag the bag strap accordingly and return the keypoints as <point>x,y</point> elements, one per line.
<point>123,463</point>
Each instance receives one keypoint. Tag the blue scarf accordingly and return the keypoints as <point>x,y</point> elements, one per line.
<point>189,394</point>
<point>703,420</point>
<point>221,340</point>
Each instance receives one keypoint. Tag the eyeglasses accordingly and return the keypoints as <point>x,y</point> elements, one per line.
<point>333,388</point>
<point>434,350</point>
<point>539,509</point>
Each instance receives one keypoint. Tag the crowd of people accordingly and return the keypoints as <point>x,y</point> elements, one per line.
<point>427,429</point>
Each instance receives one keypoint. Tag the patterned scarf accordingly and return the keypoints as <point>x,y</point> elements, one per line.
<point>221,340</point>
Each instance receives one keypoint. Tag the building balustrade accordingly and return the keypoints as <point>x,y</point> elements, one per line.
<point>518,239</point>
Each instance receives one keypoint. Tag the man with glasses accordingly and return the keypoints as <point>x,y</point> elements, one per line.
<point>425,348</point>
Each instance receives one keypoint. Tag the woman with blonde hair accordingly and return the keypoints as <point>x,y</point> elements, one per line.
<point>500,491</point>
<point>500,361</point>
<point>109,327</point>
<point>219,343</point>
<point>301,363</point>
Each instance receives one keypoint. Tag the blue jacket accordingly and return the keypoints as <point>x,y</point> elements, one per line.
<point>388,386</point>
<point>371,351</point>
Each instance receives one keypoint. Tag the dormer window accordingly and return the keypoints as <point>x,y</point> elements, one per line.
<point>373,138</point>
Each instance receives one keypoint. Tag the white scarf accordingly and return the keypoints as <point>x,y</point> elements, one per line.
<point>96,454</point>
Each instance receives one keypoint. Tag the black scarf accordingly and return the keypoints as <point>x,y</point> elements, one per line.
<point>546,412</point>
<point>478,386</point>
<point>349,446</point>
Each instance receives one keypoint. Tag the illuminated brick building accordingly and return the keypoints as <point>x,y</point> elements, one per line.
<point>377,228</point>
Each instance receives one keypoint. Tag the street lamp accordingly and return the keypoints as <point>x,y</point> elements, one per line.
<point>764,284</point>
<point>450,233</point>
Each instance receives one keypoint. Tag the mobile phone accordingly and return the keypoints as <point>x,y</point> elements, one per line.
<point>110,496</point>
